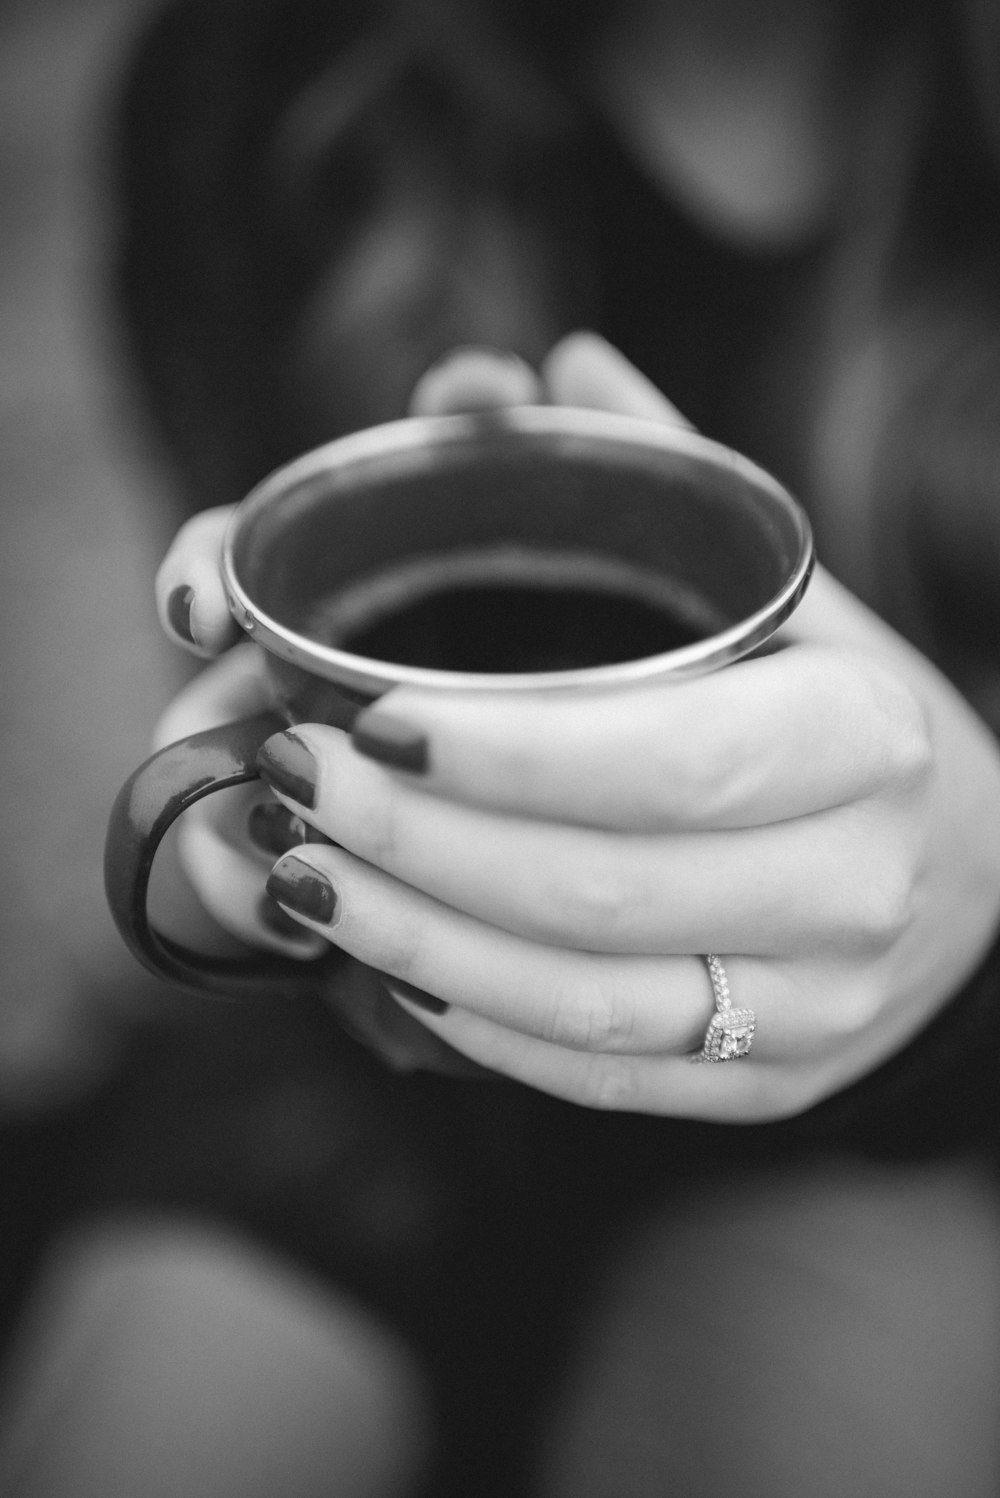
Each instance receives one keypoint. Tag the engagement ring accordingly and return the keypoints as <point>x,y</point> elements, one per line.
<point>730,1032</point>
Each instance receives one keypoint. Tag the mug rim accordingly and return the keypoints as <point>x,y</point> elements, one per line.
<point>370,676</point>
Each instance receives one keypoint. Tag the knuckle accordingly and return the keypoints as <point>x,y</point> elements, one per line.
<point>912,745</point>
<point>706,784</point>
<point>880,895</point>
<point>378,821</point>
<point>591,1015</point>
<point>592,900</point>
<point>885,905</point>
<point>903,725</point>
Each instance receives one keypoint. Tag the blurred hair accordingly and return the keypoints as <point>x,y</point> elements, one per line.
<point>318,199</point>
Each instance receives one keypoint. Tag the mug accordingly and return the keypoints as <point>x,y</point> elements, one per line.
<point>535,549</point>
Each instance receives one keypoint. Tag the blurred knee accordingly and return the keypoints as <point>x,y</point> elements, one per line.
<point>825,1332</point>
<point>168,1357</point>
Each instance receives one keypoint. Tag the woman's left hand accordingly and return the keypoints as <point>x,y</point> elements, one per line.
<point>544,870</point>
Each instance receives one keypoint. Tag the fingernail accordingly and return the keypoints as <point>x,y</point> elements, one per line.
<point>279,921</point>
<point>179,613</point>
<point>397,989</point>
<point>286,765</point>
<point>391,740</point>
<point>276,830</point>
<point>303,889</point>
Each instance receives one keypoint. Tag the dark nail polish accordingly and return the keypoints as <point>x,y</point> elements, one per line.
<point>179,613</point>
<point>397,989</point>
<point>276,830</point>
<point>286,765</point>
<point>390,740</point>
<point>278,920</point>
<point>303,889</point>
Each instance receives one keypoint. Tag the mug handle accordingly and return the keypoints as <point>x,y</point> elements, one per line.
<point>148,803</point>
<point>153,798</point>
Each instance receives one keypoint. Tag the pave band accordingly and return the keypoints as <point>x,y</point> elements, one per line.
<point>730,1031</point>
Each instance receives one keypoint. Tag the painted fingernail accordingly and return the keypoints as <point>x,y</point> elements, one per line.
<point>279,921</point>
<point>179,613</point>
<point>300,887</point>
<point>286,765</point>
<point>397,989</point>
<point>276,830</point>
<point>390,740</point>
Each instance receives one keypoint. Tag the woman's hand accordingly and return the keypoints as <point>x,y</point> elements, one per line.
<point>540,873</point>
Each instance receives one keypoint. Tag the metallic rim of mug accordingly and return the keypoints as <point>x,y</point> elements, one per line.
<point>371,676</point>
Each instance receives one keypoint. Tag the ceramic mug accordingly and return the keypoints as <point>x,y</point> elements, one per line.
<point>539,549</point>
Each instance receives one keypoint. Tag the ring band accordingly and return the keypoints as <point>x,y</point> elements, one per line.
<point>730,1032</point>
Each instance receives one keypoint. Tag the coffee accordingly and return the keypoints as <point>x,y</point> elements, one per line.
<point>511,608</point>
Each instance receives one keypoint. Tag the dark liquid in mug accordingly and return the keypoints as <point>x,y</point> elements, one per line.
<point>512,609</point>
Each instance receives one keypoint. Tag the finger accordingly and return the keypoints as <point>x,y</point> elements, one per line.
<point>190,597</point>
<point>477,991</point>
<point>580,1001</point>
<point>230,688</point>
<point>475,379</point>
<point>583,369</point>
<point>773,1081</point>
<point>790,888</point>
<point>783,736</point>
<point>748,1091</point>
<point>228,872</point>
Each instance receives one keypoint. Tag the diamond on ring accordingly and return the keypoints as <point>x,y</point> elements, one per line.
<point>730,1031</point>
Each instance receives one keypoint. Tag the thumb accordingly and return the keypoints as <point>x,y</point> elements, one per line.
<point>583,369</point>
<point>475,379</point>
<point>190,598</point>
